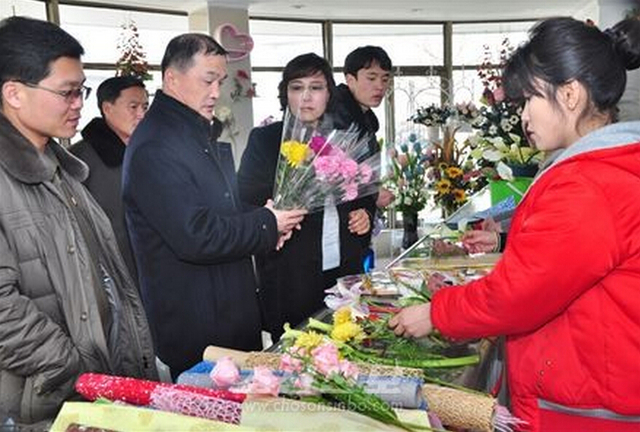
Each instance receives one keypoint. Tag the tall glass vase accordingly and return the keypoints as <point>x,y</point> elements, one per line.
<point>410,225</point>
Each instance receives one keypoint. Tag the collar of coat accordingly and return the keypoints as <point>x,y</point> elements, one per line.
<point>610,136</point>
<point>190,117</point>
<point>26,164</point>
<point>106,143</point>
<point>347,110</point>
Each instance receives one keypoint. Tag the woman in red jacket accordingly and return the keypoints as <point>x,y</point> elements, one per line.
<point>566,291</point>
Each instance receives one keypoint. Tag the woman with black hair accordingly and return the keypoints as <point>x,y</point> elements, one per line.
<point>331,243</point>
<point>565,292</point>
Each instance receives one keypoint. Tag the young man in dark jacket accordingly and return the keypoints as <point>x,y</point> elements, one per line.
<point>67,302</point>
<point>367,72</point>
<point>122,101</point>
<point>191,236</point>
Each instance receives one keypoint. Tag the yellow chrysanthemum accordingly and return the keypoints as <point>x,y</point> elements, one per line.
<point>342,316</point>
<point>295,152</point>
<point>454,172</point>
<point>443,186</point>
<point>309,340</point>
<point>459,195</point>
<point>347,331</point>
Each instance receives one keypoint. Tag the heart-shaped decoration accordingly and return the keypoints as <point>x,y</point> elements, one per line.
<point>237,44</point>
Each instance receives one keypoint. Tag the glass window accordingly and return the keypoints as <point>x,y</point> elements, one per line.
<point>406,44</point>
<point>411,93</point>
<point>85,23</point>
<point>469,40</point>
<point>266,103</point>
<point>28,8</point>
<point>277,42</point>
<point>467,86</point>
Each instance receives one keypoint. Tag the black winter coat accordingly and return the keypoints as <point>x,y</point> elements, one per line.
<point>292,280</point>
<point>345,111</point>
<point>191,237</point>
<point>103,151</point>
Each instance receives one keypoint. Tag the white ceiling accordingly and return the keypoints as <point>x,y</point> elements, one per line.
<point>425,10</point>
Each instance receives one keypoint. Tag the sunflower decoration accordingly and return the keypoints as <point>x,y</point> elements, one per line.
<point>452,183</point>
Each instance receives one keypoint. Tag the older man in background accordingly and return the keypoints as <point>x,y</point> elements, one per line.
<point>122,101</point>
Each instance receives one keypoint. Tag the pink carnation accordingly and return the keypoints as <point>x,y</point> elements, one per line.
<point>264,382</point>
<point>290,364</point>
<point>326,359</point>
<point>326,167</point>
<point>365,173</point>
<point>348,369</point>
<point>350,191</point>
<point>498,95</point>
<point>304,382</point>
<point>225,373</point>
<point>348,168</point>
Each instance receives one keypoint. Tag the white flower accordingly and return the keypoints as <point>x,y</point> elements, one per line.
<point>507,127</point>
<point>504,171</point>
<point>515,138</point>
<point>493,129</point>
<point>224,114</point>
<point>514,119</point>
<point>492,155</point>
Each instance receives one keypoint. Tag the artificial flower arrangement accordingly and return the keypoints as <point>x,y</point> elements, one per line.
<point>500,142</point>
<point>315,166</point>
<point>407,179</point>
<point>452,174</point>
<point>243,88</point>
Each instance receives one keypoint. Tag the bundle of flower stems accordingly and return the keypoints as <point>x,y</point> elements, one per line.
<point>457,408</point>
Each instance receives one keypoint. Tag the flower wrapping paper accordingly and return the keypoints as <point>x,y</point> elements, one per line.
<point>195,401</point>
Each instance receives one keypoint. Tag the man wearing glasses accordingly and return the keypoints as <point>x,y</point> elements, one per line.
<point>67,303</point>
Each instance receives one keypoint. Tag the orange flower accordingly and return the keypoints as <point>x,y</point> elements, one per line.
<point>453,172</point>
<point>443,186</point>
<point>459,195</point>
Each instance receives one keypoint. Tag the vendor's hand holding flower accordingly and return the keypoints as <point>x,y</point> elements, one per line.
<point>480,241</point>
<point>413,321</point>
<point>359,222</point>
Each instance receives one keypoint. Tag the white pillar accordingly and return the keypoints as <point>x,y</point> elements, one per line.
<point>242,107</point>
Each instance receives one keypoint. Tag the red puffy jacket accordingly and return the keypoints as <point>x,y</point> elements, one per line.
<point>567,293</point>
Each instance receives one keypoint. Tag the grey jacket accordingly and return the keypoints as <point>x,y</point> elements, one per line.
<point>50,326</point>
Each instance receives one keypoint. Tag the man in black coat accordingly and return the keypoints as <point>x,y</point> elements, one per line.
<point>122,101</point>
<point>190,234</point>
<point>367,72</point>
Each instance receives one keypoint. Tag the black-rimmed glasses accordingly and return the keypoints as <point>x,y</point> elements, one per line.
<point>68,95</point>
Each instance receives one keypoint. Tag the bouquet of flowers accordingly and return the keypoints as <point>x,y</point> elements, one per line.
<point>368,339</point>
<point>408,180</point>
<point>451,173</point>
<point>500,141</point>
<point>315,166</point>
<point>312,370</point>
